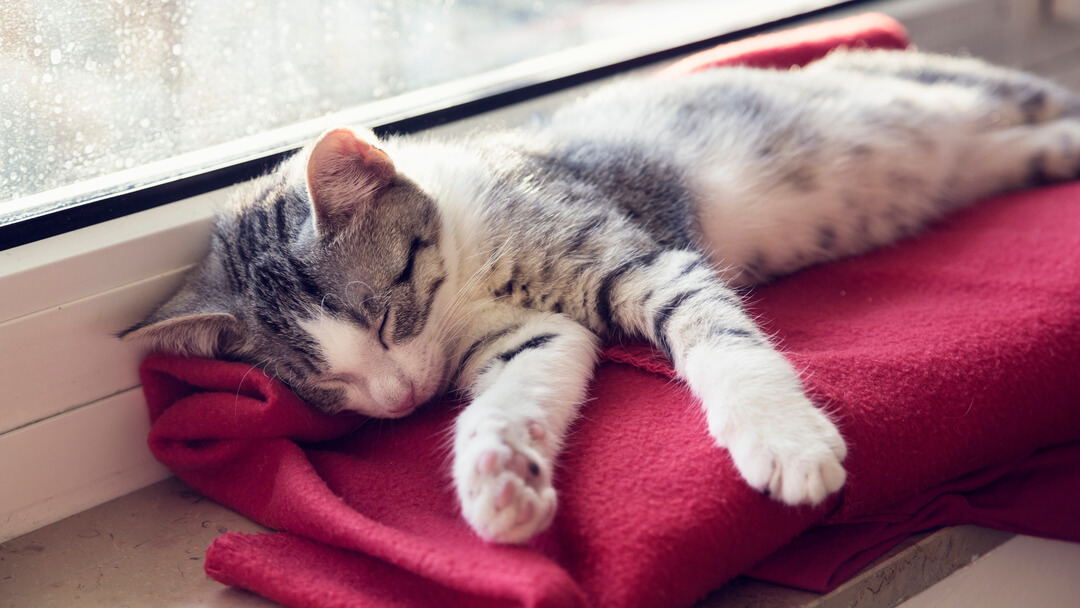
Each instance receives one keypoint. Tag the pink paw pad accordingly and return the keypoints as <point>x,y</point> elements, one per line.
<point>525,514</point>
<point>487,462</point>
<point>536,430</point>
<point>491,462</point>
<point>505,496</point>
<point>506,491</point>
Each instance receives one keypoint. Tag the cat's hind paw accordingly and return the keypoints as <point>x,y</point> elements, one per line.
<point>503,481</point>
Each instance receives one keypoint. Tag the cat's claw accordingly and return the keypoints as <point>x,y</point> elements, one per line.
<point>802,467</point>
<point>503,480</point>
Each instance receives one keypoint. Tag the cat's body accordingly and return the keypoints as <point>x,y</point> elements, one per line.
<point>374,279</point>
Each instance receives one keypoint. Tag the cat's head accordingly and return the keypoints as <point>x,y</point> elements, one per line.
<point>326,273</point>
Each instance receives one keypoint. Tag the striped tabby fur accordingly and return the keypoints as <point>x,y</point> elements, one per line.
<point>375,275</point>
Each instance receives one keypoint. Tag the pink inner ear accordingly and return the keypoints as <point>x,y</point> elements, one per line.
<point>342,171</point>
<point>344,142</point>
<point>339,151</point>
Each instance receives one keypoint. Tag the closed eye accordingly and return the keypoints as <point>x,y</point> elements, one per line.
<point>410,260</point>
<point>382,329</point>
<point>339,378</point>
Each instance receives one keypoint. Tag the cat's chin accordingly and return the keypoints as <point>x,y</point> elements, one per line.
<point>385,413</point>
<point>403,406</point>
<point>398,413</point>
<point>425,392</point>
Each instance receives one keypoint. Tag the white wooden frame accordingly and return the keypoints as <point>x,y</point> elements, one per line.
<point>73,422</point>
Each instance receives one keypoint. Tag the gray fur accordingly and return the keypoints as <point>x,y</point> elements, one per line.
<point>571,215</point>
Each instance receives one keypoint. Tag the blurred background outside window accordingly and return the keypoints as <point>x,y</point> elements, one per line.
<point>99,97</point>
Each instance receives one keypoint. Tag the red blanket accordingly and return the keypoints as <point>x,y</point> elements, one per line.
<point>942,356</point>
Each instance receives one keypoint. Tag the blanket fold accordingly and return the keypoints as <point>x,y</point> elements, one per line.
<point>942,357</point>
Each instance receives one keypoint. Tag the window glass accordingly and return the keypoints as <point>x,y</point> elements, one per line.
<point>100,96</point>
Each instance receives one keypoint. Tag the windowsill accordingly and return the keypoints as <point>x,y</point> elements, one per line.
<point>147,548</point>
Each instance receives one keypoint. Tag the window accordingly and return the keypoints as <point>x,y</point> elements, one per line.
<point>107,99</point>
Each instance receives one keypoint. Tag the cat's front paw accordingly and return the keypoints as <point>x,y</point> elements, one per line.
<point>794,458</point>
<point>503,480</point>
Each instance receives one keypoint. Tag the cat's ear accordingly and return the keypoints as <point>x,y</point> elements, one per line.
<point>196,321</point>
<point>343,172</point>
<point>211,334</point>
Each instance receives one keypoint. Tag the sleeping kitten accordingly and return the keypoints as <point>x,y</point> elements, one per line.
<point>375,275</point>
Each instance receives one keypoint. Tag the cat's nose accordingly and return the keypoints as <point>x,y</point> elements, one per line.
<point>407,402</point>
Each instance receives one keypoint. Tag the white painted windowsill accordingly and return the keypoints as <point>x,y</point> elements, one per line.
<point>73,421</point>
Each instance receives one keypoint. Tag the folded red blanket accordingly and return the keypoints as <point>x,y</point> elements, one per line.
<point>943,355</point>
<point>1037,495</point>
<point>799,46</point>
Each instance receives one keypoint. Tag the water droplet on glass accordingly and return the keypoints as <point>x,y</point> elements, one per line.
<point>56,56</point>
<point>144,123</point>
<point>177,49</point>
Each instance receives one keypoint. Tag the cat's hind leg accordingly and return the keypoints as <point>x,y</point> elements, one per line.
<point>1012,96</point>
<point>1017,157</point>
<point>1021,130</point>
<point>527,373</point>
